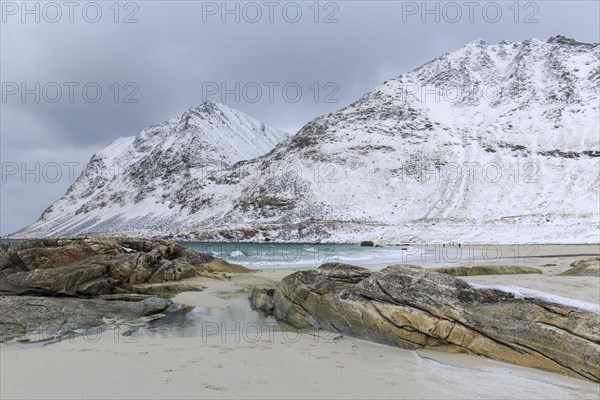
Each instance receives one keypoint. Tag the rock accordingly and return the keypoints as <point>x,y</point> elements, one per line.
<point>166,288</point>
<point>487,270</point>
<point>119,272</point>
<point>218,265</point>
<point>125,296</point>
<point>367,243</point>
<point>92,267</point>
<point>587,267</point>
<point>47,318</point>
<point>414,308</point>
<point>261,297</point>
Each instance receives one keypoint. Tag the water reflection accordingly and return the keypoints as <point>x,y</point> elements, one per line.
<point>236,321</point>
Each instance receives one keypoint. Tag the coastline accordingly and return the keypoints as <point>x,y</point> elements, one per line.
<point>280,363</point>
<point>310,367</point>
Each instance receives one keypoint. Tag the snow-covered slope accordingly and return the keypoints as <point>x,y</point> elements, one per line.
<point>488,143</point>
<point>142,181</point>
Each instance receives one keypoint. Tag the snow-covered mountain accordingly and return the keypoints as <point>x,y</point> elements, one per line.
<point>492,142</point>
<point>146,176</point>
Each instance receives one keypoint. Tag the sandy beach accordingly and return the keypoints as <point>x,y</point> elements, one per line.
<point>311,367</point>
<point>258,360</point>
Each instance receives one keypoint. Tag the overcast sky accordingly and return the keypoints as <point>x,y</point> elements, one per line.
<point>171,56</point>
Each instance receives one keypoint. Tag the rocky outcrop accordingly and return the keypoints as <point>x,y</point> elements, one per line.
<point>29,318</point>
<point>587,267</point>
<point>72,284</point>
<point>92,267</point>
<point>410,307</point>
<point>487,270</point>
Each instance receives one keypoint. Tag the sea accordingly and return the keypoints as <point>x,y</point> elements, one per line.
<point>311,255</point>
<point>266,255</point>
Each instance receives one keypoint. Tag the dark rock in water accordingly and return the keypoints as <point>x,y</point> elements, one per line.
<point>413,308</point>
<point>47,318</point>
<point>92,267</point>
<point>367,243</point>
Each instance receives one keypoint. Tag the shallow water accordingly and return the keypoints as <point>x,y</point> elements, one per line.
<point>237,321</point>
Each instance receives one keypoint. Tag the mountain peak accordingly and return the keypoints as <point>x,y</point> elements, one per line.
<point>559,39</point>
<point>477,43</point>
<point>149,168</point>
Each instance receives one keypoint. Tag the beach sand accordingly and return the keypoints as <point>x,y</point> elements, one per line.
<point>283,364</point>
<point>290,366</point>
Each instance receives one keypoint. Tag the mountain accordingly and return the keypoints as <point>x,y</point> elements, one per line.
<point>492,142</point>
<point>141,181</point>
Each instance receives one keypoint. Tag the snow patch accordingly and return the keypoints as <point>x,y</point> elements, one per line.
<point>524,293</point>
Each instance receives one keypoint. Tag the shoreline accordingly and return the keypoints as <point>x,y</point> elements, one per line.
<point>6,239</point>
<point>180,358</point>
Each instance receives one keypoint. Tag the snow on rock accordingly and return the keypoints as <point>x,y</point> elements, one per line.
<point>524,293</point>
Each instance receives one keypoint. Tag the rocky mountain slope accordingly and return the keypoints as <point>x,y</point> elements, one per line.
<point>492,142</point>
<point>142,181</point>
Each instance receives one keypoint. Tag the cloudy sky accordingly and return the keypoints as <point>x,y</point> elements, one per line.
<point>75,77</point>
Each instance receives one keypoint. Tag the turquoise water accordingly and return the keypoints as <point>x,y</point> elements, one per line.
<point>292,255</point>
<point>306,255</point>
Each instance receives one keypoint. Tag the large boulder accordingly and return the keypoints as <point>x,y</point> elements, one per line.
<point>587,267</point>
<point>46,318</point>
<point>413,308</point>
<point>99,266</point>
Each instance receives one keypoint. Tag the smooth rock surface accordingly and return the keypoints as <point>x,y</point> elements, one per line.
<point>45,318</point>
<point>416,308</point>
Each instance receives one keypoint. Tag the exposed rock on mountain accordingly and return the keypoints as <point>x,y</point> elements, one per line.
<point>151,182</point>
